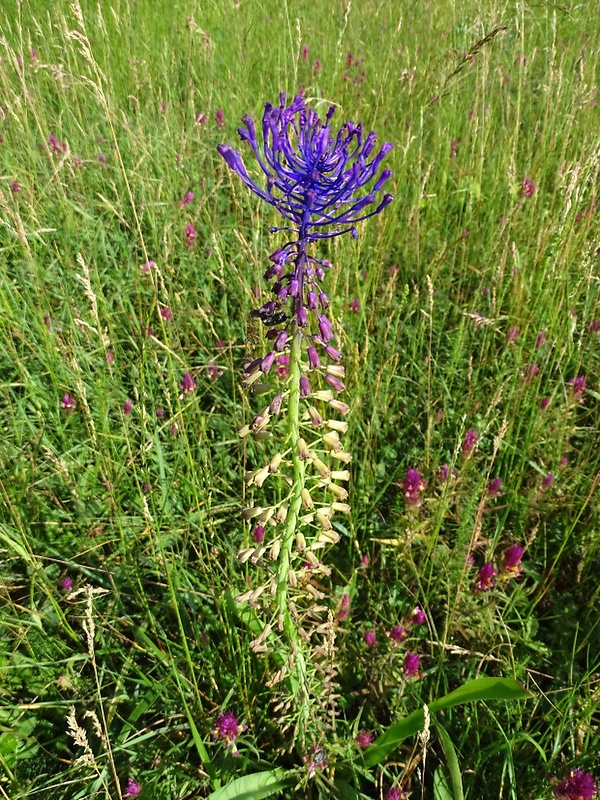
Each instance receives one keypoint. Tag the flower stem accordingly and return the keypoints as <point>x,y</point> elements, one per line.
<point>284,618</point>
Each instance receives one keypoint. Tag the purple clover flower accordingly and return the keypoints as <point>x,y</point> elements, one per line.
<point>188,384</point>
<point>578,785</point>
<point>396,794</point>
<point>469,442</point>
<point>485,578</point>
<point>412,662</point>
<point>578,385</point>
<point>511,563</point>
<point>397,634</point>
<point>494,487</point>
<point>228,728</point>
<point>370,638</point>
<point>418,616</point>
<point>134,789</point>
<point>67,403</point>
<point>412,486</point>
<point>364,739</point>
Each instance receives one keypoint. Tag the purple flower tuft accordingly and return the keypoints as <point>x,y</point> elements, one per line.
<point>485,578</point>
<point>578,785</point>
<point>418,616</point>
<point>412,486</point>
<point>511,563</point>
<point>494,487</point>
<point>316,178</point>
<point>370,638</point>
<point>411,665</point>
<point>190,236</point>
<point>134,789</point>
<point>67,403</point>
<point>578,385</point>
<point>527,187</point>
<point>188,384</point>
<point>228,729</point>
<point>469,442</point>
<point>127,407</point>
<point>364,739</point>
<point>397,634</point>
<point>66,583</point>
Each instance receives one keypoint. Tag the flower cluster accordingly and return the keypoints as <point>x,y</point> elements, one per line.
<point>227,728</point>
<point>578,785</point>
<point>412,486</point>
<point>510,567</point>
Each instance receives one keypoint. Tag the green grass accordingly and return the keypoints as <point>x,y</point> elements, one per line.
<point>149,515</point>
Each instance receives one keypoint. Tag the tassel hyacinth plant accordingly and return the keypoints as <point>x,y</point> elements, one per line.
<point>323,182</point>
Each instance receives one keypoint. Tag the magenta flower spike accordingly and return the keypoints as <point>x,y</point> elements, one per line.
<point>227,728</point>
<point>133,789</point>
<point>412,662</point>
<point>511,562</point>
<point>412,486</point>
<point>469,442</point>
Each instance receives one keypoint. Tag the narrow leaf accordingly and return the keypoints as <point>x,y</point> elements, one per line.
<point>452,762</point>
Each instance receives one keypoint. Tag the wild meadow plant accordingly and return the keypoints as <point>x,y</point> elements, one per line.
<point>323,182</point>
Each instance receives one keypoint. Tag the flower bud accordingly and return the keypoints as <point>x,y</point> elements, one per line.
<point>323,394</point>
<point>244,554</point>
<point>338,491</point>
<point>332,352</point>
<point>336,369</point>
<point>343,507</point>
<point>281,514</point>
<point>303,449</point>
<point>280,342</point>
<point>307,502</point>
<point>325,328</point>
<point>313,358</point>
<point>337,425</point>
<point>275,548</point>
<point>294,287</point>
<point>265,516</point>
<point>275,463</point>
<point>302,317</point>
<point>261,476</point>
<point>335,383</point>
<point>340,475</point>
<point>342,456</point>
<point>332,441</point>
<point>244,431</point>
<point>315,417</point>
<point>275,406</point>
<point>338,405</point>
<point>304,387</point>
<point>324,301</point>
<point>321,468</point>
<point>267,362</point>
<point>300,542</point>
<point>251,511</point>
<point>323,521</point>
<point>312,300</point>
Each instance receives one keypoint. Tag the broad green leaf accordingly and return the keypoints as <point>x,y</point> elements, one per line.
<point>441,790</point>
<point>254,786</point>
<point>452,762</point>
<point>478,689</point>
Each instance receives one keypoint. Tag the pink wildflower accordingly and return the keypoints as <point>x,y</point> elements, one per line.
<point>511,563</point>
<point>134,789</point>
<point>67,583</point>
<point>412,662</point>
<point>470,441</point>
<point>412,486</point>
<point>578,785</point>
<point>68,403</point>
<point>219,118</point>
<point>370,638</point>
<point>228,728</point>
<point>485,578</point>
<point>188,384</point>
<point>186,199</point>
<point>190,236</point>
<point>364,739</point>
<point>527,188</point>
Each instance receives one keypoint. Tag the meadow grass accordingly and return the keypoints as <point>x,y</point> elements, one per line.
<point>120,517</point>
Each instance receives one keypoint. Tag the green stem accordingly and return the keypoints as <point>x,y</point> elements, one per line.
<point>285,621</point>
